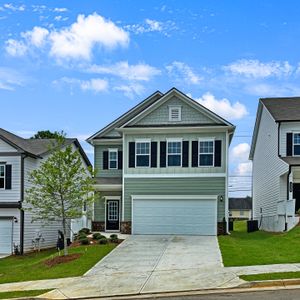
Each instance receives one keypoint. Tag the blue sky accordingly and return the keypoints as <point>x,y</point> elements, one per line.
<point>77,65</point>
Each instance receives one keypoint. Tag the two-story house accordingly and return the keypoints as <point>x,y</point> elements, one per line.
<point>162,168</point>
<point>18,157</point>
<point>275,152</point>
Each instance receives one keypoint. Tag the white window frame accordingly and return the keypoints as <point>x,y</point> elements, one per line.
<point>110,150</point>
<point>136,154</point>
<point>171,107</point>
<point>295,144</point>
<point>213,152</point>
<point>171,140</point>
<point>4,167</point>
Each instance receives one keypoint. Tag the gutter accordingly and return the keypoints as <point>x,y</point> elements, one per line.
<point>21,200</point>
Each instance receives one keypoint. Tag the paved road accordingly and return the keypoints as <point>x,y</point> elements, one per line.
<point>266,295</point>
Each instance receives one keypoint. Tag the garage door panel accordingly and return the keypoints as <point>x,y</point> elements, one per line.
<point>5,236</point>
<point>170,216</point>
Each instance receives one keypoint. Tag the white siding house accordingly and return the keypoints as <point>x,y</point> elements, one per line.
<point>273,171</point>
<point>18,157</point>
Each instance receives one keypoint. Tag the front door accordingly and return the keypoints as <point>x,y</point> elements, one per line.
<point>112,215</point>
<point>296,195</point>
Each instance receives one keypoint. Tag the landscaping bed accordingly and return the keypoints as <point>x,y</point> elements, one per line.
<point>259,248</point>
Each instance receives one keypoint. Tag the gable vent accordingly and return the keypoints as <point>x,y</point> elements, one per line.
<point>174,113</point>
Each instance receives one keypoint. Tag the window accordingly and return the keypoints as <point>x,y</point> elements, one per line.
<point>142,154</point>
<point>113,211</point>
<point>241,213</point>
<point>174,153</point>
<point>2,176</point>
<point>113,158</point>
<point>296,143</point>
<point>206,153</point>
<point>174,113</point>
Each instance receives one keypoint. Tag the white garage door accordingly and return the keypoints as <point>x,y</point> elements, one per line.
<point>174,215</point>
<point>5,236</point>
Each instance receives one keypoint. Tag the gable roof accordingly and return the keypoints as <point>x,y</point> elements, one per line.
<point>282,109</point>
<point>240,203</point>
<point>175,92</point>
<point>126,116</point>
<point>37,147</point>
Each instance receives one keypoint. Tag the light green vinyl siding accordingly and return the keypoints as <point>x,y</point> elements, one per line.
<point>174,186</point>
<point>99,205</point>
<point>189,115</point>
<point>178,170</point>
<point>99,161</point>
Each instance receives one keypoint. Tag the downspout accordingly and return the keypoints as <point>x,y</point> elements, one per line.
<point>278,139</point>
<point>23,156</point>
<point>287,194</point>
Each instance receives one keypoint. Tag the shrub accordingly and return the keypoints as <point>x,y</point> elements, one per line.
<point>80,236</point>
<point>97,236</point>
<point>114,238</point>
<point>84,241</point>
<point>84,230</point>
<point>103,241</point>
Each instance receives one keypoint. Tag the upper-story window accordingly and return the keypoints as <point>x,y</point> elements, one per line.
<point>113,158</point>
<point>142,154</point>
<point>206,153</point>
<point>296,144</point>
<point>175,113</point>
<point>2,176</point>
<point>174,153</point>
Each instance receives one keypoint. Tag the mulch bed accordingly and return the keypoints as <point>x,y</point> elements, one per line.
<point>61,259</point>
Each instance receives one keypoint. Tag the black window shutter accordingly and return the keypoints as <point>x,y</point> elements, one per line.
<point>105,160</point>
<point>185,154</point>
<point>153,154</point>
<point>195,154</point>
<point>218,153</point>
<point>120,160</point>
<point>8,177</point>
<point>163,153</point>
<point>289,144</point>
<point>131,158</point>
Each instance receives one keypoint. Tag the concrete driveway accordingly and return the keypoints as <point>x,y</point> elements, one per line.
<point>151,264</point>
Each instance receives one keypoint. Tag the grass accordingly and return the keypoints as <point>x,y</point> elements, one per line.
<point>31,266</point>
<point>19,294</point>
<point>271,276</point>
<point>259,248</point>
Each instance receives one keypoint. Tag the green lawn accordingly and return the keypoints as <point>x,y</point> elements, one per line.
<point>31,266</point>
<point>19,294</point>
<point>259,248</point>
<point>271,276</point>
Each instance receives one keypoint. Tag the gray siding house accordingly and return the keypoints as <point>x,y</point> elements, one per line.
<point>275,152</point>
<point>162,169</point>
<point>18,157</point>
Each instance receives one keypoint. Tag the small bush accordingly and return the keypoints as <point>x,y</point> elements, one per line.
<point>84,241</point>
<point>84,230</point>
<point>97,236</point>
<point>103,241</point>
<point>80,236</point>
<point>114,238</point>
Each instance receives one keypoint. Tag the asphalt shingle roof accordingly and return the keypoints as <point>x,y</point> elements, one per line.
<point>283,109</point>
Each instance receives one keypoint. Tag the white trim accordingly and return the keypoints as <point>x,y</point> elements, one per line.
<point>145,142</point>
<point>173,140</point>
<point>123,172</point>
<point>213,153</point>
<point>189,197</point>
<point>4,167</point>
<point>111,150</point>
<point>296,132</point>
<point>172,107</point>
<point>226,184</point>
<point>108,187</point>
<point>105,200</point>
<point>176,175</point>
<point>117,141</point>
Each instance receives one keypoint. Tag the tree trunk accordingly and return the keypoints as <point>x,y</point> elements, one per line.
<point>65,237</point>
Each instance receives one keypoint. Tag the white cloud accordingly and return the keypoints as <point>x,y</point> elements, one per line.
<point>74,42</point>
<point>182,71</point>
<point>256,69</point>
<point>130,90</point>
<point>10,6</point>
<point>78,40</point>
<point>60,9</point>
<point>140,72</point>
<point>282,89</point>
<point>240,152</point>
<point>15,48</point>
<point>10,79</point>
<point>244,169</point>
<point>223,107</point>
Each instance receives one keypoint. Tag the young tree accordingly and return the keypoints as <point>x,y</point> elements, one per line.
<point>47,134</point>
<point>61,186</point>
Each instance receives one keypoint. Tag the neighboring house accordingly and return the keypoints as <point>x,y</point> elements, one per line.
<point>162,169</point>
<point>240,208</point>
<point>18,157</point>
<point>275,152</point>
